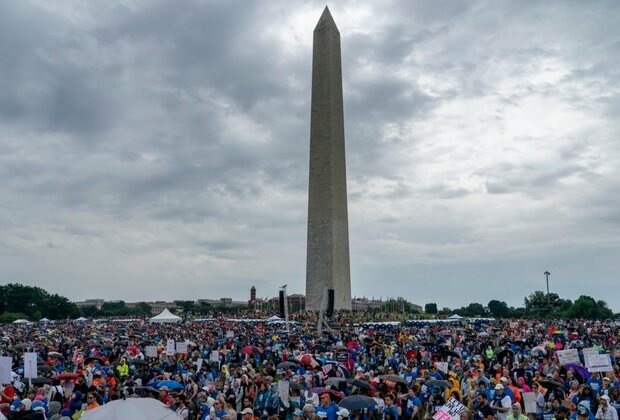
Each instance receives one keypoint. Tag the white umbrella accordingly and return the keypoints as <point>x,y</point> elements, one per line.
<point>132,408</point>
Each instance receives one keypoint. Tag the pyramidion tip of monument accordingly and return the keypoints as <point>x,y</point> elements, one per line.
<point>326,20</point>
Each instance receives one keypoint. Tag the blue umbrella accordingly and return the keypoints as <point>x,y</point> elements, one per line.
<point>172,385</point>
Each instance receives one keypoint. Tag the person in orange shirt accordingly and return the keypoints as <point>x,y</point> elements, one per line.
<point>91,402</point>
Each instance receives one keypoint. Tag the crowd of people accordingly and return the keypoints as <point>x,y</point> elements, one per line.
<point>247,369</point>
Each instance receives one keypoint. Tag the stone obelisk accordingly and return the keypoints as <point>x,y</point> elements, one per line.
<point>327,264</point>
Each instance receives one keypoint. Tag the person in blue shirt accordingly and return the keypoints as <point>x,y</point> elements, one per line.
<point>390,411</point>
<point>327,409</point>
<point>411,402</point>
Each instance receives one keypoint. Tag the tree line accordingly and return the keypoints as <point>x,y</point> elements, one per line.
<point>537,305</point>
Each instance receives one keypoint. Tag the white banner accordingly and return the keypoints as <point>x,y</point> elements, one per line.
<point>589,352</point>
<point>529,400</point>
<point>283,392</point>
<point>182,348</point>
<point>5,369</point>
<point>150,351</point>
<point>442,366</point>
<point>451,411</point>
<point>568,356</point>
<point>170,347</point>
<point>30,365</point>
<point>599,363</point>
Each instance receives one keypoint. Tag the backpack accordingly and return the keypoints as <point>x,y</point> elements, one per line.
<point>59,395</point>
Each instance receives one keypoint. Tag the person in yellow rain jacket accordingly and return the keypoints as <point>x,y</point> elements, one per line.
<point>123,369</point>
<point>455,387</point>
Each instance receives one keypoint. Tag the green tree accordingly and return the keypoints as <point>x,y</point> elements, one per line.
<point>118,308</point>
<point>499,309</point>
<point>588,308</point>
<point>143,309</point>
<point>89,311</point>
<point>430,308</point>
<point>35,302</point>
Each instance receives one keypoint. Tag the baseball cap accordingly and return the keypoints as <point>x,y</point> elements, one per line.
<point>499,386</point>
<point>605,397</point>
<point>247,411</point>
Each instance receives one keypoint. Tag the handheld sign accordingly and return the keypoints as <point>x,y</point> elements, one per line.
<point>450,411</point>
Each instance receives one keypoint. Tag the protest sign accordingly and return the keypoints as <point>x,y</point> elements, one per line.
<point>283,392</point>
<point>599,363</point>
<point>442,366</point>
<point>215,356</point>
<point>5,369</point>
<point>150,351</point>
<point>529,400</point>
<point>30,365</point>
<point>198,365</point>
<point>568,356</point>
<point>230,334</point>
<point>450,411</point>
<point>181,348</point>
<point>588,353</point>
<point>170,347</point>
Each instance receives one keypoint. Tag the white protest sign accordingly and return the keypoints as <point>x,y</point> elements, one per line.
<point>599,363</point>
<point>170,347</point>
<point>5,369</point>
<point>30,365</point>
<point>588,353</point>
<point>198,365</point>
<point>451,411</point>
<point>568,356</point>
<point>230,334</point>
<point>182,348</point>
<point>529,400</point>
<point>150,351</point>
<point>442,366</point>
<point>215,356</point>
<point>283,392</point>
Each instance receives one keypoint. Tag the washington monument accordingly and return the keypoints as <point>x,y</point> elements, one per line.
<point>327,263</point>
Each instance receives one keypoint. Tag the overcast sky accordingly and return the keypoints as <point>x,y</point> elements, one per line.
<point>159,149</point>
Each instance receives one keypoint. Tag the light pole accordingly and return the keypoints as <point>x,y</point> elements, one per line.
<point>283,288</point>
<point>547,274</point>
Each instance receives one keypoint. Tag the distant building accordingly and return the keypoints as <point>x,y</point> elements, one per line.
<point>90,302</point>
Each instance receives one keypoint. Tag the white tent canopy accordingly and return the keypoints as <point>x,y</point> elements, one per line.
<point>21,321</point>
<point>455,316</point>
<point>132,408</point>
<point>165,316</point>
<point>44,320</point>
<point>81,319</point>
<point>273,318</point>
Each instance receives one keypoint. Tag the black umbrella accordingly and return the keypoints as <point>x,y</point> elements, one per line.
<point>504,353</point>
<point>89,360</point>
<point>361,384</point>
<point>335,381</point>
<point>436,382</point>
<point>357,402</point>
<point>56,355</point>
<point>138,362</point>
<point>393,378</point>
<point>287,365</point>
<point>319,348</point>
<point>295,385</point>
<point>23,346</point>
<point>549,384</point>
<point>41,381</point>
<point>45,369</point>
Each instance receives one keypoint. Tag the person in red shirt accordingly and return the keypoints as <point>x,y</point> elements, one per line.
<point>6,394</point>
<point>164,396</point>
